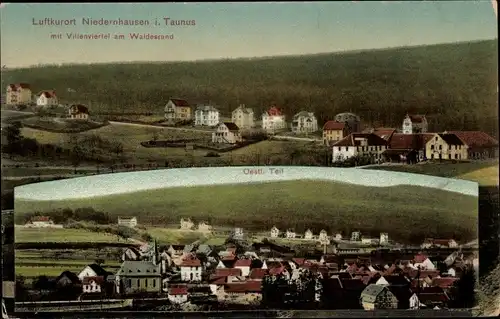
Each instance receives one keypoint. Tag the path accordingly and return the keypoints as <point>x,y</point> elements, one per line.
<point>160,127</point>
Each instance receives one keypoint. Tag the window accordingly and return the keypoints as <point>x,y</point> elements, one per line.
<point>339,148</point>
<point>432,147</point>
<point>440,147</point>
<point>154,283</point>
<point>436,138</point>
<point>130,282</point>
<point>146,282</point>
<point>346,149</point>
<point>138,283</point>
<point>449,147</point>
<point>449,156</point>
<point>432,156</point>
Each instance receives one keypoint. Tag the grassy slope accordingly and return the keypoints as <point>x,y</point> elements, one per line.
<point>299,204</point>
<point>448,80</point>
<point>57,235</point>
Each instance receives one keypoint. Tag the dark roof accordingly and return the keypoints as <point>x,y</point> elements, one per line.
<point>385,133</point>
<point>352,284</point>
<point>397,280</point>
<point>98,280</point>
<point>451,139</point>
<point>401,293</point>
<point>400,141</point>
<point>179,102</point>
<point>231,126</point>
<point>79,108</point>
<point>350,140</point>
<point>71,275</point>
<point>98,270</point>
<point>17,86</point>
<point>416,118</point>
<point>137,268</point>
<point>225,272</point>
<point>48,94</point>
<point>475,139</point>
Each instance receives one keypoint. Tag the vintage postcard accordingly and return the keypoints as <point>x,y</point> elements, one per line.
<point>266,159</point>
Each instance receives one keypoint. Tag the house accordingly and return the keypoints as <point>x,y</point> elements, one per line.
<point>178,295</point>
<point>431,297</point>
<point>175,250</point>
<point>273,120</point>
<point>384,239</point>
<point>304,122</point>
<point>243,117</point>
<point>406,298</point>
<point>138,277</point>
<point>275,232</point>
<point>191,268</point>
<point>206,115</point>
<point>333,131</point>
<point>246,293</point>
<point>228,133</point>
<point>438,243</point>
<point>308,235</point>
<point>17,94</point>
<point>127,221</point>
<point>407,148</point>
<point>78,112</point>
<point>378,297</point>
<point>423,262</point>
<point>414,124</point>
<point>93,285</point>
<point>445,147</point>
<point>323,235</point>
<point>352,122</point>
<point>393,281</point>
<point>186,224</point>
<point>361,145</point>
<point>92,270</point>
<point>383,132</point>
<point>238,233</point>
<point>355,236</point>
<point>479,144</point>
<point>204,227</point>
<point>244,265</point>
<point>177,110</point>
<point>46,98</point>
<point>68,279</point>
<point>131,253</point>
<point>290,233</point>
<point>42,222</point>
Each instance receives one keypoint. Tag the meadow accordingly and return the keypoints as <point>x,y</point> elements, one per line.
<point>483,172</point>
<point>28,235</point>
<point>453,84</point>
<point>296,204</point>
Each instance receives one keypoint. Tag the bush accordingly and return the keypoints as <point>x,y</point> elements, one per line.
<point>212,154</point>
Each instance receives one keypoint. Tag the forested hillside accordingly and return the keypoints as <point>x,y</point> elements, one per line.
<point>454,84</point>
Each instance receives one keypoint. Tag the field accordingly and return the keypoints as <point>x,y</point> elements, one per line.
<point>483,172</point>
<point>367,82</point>
<point>62,235</point>
<point>335,206</point>
<point>60,124</point>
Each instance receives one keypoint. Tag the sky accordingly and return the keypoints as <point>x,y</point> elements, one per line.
<point>119,183</point>
<point>232,30</point>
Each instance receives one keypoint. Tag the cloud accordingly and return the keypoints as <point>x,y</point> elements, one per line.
<point>3,4</point>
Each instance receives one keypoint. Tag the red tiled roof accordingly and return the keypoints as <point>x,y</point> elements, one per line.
<point>350,140</point>
<point>224,272</point>
<point>400,141</point>
<point>15,87</point>
<point>40,219</point>
<point>243,263</point>
<point>385,133</point>
<point>444,282</point>
<point>276,270</point>
<point>78,108</point>
<point>217,280</point>
<point>333,126</point>
<point>190,261</point>
<point>245,287</point>
<point>416,118</point>
<point>178,291</point>
<point>420,258</point>
<point>451,139</point>
<point>475,139</point>
<point>274,111</point>
<point>299,261</point>
<point>98,280</point>
<point>179,102</point>
<point>258,273</point>
<point>48,94</point>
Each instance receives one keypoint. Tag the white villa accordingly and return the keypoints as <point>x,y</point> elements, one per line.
<point>304,122</point>
<point>275,232</point>
<point>191,269</point>
<point>308,234</point>
<point>228,133</point>
<point>204,227</point>
<point>47,98</point>
<point>19,93</point>
<point>273,120</point>
<point>186,224</point>
<point>127,221</point>
<point>290,234</point>
<point>384,239</point>
<point>323,235</point>
<point>243,117</point>
<point>206,115</point>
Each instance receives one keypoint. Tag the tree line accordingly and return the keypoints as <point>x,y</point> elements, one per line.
<point>453,84</point>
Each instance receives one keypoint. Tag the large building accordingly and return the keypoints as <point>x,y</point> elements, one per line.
<point>19,93</point>
<point>206,115</point>
<point>304,122</point>
<point>352,121</point>
<point>243,117</point>
<point>273,120</point>
<point>414,124</point>
<point>177,110</point>
<point>359,145</point>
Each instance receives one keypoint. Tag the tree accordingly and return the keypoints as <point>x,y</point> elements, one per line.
<point>42,283</point>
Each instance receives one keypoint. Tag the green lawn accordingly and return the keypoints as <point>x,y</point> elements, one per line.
<point>177,236</point>
<point>49,271</point>
<point>62,235</point>
<point>483,172</point>
<point>404,211</point>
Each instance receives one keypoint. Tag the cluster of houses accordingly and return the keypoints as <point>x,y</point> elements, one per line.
<point>239,273</point>
<point>187,224</point>
<point>323,236</point>
<point>21,94</point>
<point>41,222</point>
